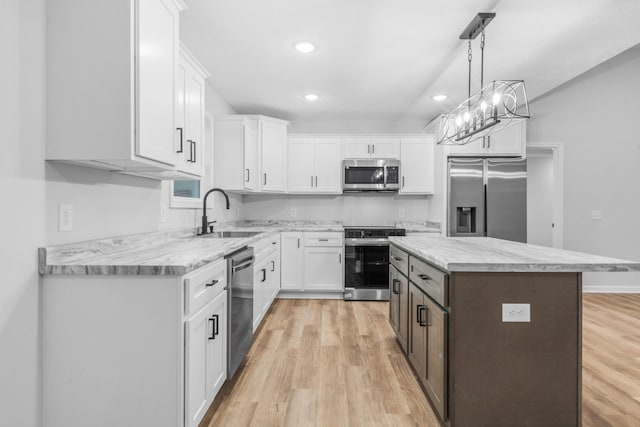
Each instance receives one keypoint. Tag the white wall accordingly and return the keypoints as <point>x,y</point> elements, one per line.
<point>367,209</point>
<point>22,215</point>
<point>105,204</point>
<point>596,117</point>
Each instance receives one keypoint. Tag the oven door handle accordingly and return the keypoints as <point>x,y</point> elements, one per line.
<point>366,242</point>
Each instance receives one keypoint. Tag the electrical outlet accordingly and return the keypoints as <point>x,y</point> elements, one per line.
<point>163,214</point>
<point>516,312</point>
<point>293,212</point>
<point>401,213</point>
<point>596,215</point>
<point>65,217</point>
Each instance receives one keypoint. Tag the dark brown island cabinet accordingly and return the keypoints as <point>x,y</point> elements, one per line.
<point>490,348</point>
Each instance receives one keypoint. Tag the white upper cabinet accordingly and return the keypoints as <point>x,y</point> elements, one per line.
<point>314,165</point>
<point>416,165</point>
<point>235,154</point>
<point>508,142</point>
<point>272,146</point>
<point>190,111</point>
<point>302,165</point>
<point>371,148</point>
<point>112,69</point>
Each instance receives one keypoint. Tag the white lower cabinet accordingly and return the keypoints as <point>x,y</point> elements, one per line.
<point>323,269</point>
<point>139,350</point>
<point>205,358</point>
<point>312,261</point>
<point>291,260</point>
<point>266,276</point>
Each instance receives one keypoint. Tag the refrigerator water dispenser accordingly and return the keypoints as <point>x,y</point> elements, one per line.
<point>466,219</point>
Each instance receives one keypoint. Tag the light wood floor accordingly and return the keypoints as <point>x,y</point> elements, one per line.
<point>336,363</point>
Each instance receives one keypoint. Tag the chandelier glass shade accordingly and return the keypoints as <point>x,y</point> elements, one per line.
<point>498,105</point>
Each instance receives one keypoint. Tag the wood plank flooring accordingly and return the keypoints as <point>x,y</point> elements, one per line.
<point>611,360</point>
<point>336,363</point>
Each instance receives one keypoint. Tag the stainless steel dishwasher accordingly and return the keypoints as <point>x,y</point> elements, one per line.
<point>240,307</point>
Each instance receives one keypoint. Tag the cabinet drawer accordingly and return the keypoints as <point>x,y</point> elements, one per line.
<point>265,246</point>
<point>431,280</point>
<point>323,239</point>
<point>399,259</point>
<point>204,284</point>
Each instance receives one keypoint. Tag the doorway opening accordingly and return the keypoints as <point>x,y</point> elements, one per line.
<point>545,194</point>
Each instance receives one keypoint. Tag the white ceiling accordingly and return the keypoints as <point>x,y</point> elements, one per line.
<point>383,59</point>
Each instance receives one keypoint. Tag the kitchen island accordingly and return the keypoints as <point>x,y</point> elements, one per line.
<point>493,328</point>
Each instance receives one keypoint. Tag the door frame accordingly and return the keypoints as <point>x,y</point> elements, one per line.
<point>557,149</point>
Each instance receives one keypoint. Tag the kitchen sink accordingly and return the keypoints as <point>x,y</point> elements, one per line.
<point>231,234</point>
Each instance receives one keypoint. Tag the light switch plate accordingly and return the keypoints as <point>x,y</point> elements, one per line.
<point>401,213</point>
<point>516,312</point>
<point>293,212</point>
<point>65,217</point>
<point>596,215</point>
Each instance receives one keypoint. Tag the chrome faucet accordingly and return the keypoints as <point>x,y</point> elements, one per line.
<point>205,222</point>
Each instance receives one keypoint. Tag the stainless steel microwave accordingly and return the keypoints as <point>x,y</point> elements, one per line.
<point>371,175</point>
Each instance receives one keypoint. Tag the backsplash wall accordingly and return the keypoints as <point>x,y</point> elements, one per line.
<point>357,209</point>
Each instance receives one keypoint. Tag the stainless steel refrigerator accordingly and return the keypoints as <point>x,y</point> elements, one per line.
<point>488,197</point>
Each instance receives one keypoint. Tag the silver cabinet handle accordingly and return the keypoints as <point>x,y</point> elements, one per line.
<point>323,240</point>
<point>248,172</point>
<point>368,149</point>
<point>265,179</point>
<point>403,182</point>
<point>424,277</point>
<point>273,265</point>
<point>316,181</point>
<point>312,180</point>
<point>339,258</point>
<point>373,148</point>
<point>298,243</point>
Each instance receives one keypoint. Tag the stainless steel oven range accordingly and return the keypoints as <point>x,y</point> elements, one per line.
<point>366,253</point>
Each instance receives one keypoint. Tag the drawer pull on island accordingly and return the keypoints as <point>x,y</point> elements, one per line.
<point>424,277</point>
<point>394,286</point>
<point>212,283</point>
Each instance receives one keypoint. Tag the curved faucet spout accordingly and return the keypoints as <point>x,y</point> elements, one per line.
<point>205,222</point>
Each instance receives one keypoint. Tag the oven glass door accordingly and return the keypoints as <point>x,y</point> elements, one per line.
<point>367,267</point>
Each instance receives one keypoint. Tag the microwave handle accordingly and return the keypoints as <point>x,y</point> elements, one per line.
<point>385,175</point>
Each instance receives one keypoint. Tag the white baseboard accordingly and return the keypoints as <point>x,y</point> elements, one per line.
<point>611,289</point>
<point>310,295</point>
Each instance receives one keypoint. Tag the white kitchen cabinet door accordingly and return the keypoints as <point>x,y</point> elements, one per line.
<point>416,166</point>
<point>323,268</point>
<point>509,141</point>
<point>274,275</point>
<point>291,261</point>
<point>328,167</point>
<point>197,331</point>
<point>356,148</point>
<point>273,146</point>
<point>181,114</point>
<point>193,151</point>
<point>250,144</point>
<point>385,148</point>
<point>301,165</point>
<point>216,372</point>
<point>157,70</point>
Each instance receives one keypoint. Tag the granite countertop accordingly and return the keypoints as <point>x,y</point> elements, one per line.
<point>459,254</point>
<point>161,253</point>
<point>419,226</point>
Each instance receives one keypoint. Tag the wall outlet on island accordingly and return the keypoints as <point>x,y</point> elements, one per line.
<point>516,312</point>
<point>293,212</point>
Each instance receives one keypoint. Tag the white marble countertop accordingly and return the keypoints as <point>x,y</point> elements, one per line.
<point>161,253</point>
<point>459,254</point>
<point>419,226</point>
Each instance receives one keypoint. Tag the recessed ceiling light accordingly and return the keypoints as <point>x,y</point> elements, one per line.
<point>439,97</point>
<point>311,97</point>
<point>305,47</point>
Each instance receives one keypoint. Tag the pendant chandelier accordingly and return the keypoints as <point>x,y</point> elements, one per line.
<point>498,105</point>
